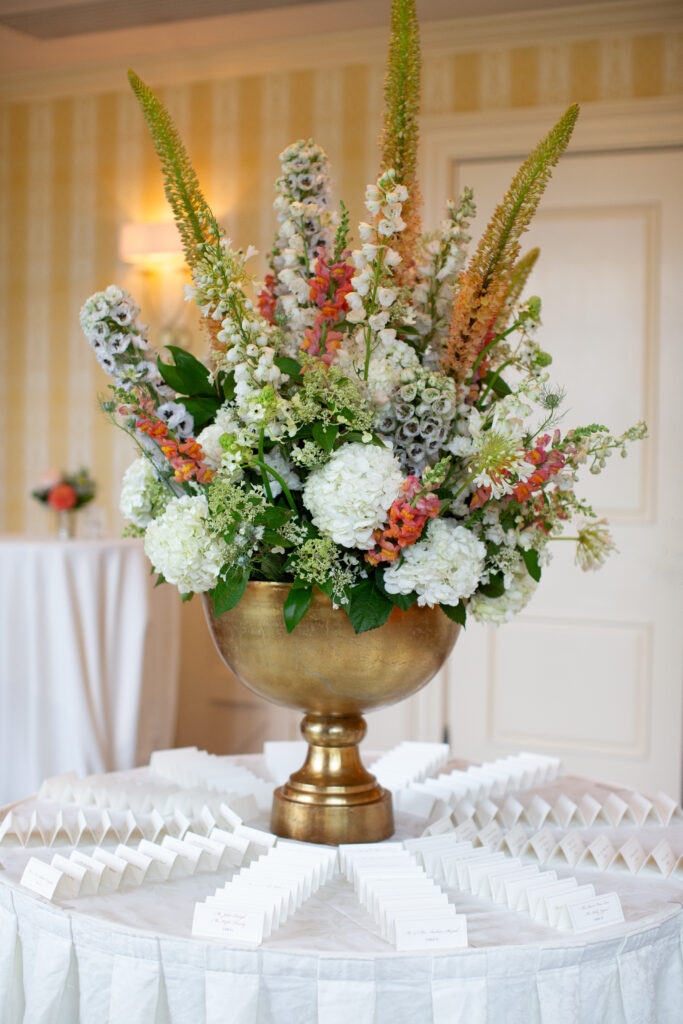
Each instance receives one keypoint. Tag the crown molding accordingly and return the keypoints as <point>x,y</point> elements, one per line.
<point>323,50</point>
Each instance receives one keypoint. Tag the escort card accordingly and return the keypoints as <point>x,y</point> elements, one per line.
<point>516,840</point>
<point>499,882</point>
<point>237,924</point>
<point>46,881</point>
<point>554,904</point>
<point>600,851</point>
<point>449,932</point>
<point>595,912</point>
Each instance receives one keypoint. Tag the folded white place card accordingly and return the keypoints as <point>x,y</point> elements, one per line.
<point>234,924</point>
<point>447,932</point>
<point>554,904</point>
<point>47,881</point>
<point>594,912</point>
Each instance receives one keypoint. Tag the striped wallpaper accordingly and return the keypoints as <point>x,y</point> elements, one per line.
<point>74,168</point>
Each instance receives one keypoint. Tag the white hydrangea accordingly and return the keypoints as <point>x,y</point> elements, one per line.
<point>350,495</point>
<point>494,611</point>
<point>136,500</point>
<point>181,548</point>
<point>442,568</point>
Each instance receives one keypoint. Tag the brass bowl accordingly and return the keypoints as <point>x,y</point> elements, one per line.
<point>333,675</point>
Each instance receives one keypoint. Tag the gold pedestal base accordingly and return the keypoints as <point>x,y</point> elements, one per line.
<point>332,799</point>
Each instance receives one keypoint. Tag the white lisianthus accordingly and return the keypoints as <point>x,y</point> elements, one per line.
<point>494,611</point>
<point>350,495</point>
<point>442,568</point>
<point>136,500</point>
<point>181,548</point>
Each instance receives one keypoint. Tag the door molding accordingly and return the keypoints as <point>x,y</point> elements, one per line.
<point>449,139</point>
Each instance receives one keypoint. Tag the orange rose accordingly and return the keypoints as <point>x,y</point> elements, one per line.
<point>62,497</point>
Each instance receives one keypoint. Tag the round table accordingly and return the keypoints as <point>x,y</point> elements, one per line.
<point>128,957</point>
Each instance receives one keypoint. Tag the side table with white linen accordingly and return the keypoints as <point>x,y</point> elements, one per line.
<point>88,659</point>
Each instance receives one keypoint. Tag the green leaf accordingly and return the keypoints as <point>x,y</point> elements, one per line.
<point>368,607</point>
<point>296,604</point>
<point>456,612</point>
<point>494,588</point>
<point>325,436</point>
<point>187,597</point>
<point>288,365</point>
<point>532,564</point>
<point>275,539</point>
<point>228,591</point>
<point>160,579</point>
<point>202,409</point>
<point>402,601</point>
<point>497,384</point>
<point>273,516</point>
<point>186,375</point>
<point>226,383</point>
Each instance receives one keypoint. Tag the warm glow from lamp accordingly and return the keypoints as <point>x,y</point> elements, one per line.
<point>151,246</point>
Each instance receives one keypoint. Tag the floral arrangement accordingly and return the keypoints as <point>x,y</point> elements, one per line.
<point>65,491</point>
<point>376,421</point>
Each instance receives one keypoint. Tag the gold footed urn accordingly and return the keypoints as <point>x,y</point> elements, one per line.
<point>333,675</point>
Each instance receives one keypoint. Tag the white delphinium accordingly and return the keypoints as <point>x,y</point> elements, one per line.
<point>119,341</point>
<point>351,494</point>
<point>181,547</point>
<point>305,222</point>
<point>519,589</point>
<point>442,568</point>
<point>138,488</point>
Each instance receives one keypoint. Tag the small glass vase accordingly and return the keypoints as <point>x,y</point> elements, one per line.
<point>66,524</point>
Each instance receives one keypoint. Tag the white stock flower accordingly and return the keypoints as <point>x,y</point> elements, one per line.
<point>350,495</point>
<point>135,501</point>
<point>181,548</point>
<point>210,437</point>
<point>442,568</point>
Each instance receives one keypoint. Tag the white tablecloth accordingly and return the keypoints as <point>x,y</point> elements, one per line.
<point>88,660</point>
<point>128,957</point>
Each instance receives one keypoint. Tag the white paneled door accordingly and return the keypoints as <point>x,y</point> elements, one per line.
<point>592,669</point>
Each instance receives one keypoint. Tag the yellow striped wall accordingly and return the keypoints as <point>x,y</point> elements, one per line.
<point>75,167</point>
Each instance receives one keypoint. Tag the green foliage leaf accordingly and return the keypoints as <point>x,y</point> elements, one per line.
<point>455,612</point>
<point>296,604</point>
<point>229,590</point>
<point>368,608</point>
<point>288,365</point>
<point>273,516</point>
<point>532,564</point>
<point>497,384</point>
<point>402,601</point>
<point>186,374</point>
<point>325,436</point>
<point>226,383</point>
<point>159,580</point>
<point>187,597</point>
<point>203,409</point>
<point>494,588</point>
